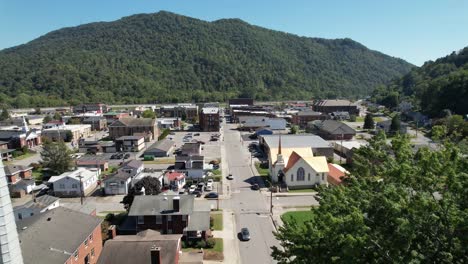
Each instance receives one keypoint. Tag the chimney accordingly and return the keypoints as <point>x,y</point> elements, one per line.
<point>155,255</point>
<point>112,232</point>
<point>176,203</point>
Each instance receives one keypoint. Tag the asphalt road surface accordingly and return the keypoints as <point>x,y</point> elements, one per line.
<point>251,208</point>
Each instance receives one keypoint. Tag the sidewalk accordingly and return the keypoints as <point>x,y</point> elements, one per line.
<point>229,236</point>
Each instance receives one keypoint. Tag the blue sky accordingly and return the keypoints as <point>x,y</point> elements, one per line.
<point>415,30</point>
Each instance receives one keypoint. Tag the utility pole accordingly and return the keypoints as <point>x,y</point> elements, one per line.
<point>341,148</point>
<point>271,199</point>
<point>81,188</point>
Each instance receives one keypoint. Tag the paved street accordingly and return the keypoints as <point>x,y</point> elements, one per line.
<point>250,208</point>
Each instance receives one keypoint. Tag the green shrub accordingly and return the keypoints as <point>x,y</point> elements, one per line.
<point>211,221</point>
<point>201,244</point>
<point>17,153</point>
<point>210,242</point>
<point>109,217</point>
<point>164,134</point>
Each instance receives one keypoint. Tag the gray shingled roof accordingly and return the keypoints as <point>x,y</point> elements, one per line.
<point>119,176</point>
<point>52,237</point>
<point>163,145</point>
<point>308,113</point>
<point>41,202</point>
<point>13,169</point>
<point>161,205</point>
<point>199,221</point>
<point>336,128</point>
<point>137,248</point>
<point>133,122</point>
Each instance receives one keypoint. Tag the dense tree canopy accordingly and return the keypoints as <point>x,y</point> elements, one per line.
<point>434,87</point>
<point>165,57</point>
<point>369,121</point>
<point>397,206</point>
<point>56,156</point>
<point>150,186</point>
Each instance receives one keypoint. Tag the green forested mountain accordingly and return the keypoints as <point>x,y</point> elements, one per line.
<point>165,57</point>
<point>437,85</point>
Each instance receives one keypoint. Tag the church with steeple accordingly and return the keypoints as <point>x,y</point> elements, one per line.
<point>296,167</point>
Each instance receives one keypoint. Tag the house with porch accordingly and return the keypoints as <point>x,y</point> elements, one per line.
<point>175,180</point>
<point>73,183</point>
<point>118,183</point>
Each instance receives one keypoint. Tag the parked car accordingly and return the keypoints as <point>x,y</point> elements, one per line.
<point>196,134</point>
<point>192,188</point>
<point>209,188</point>
<point>245,234</point>
<point>209,182</point>
<point>201,186</point>
<point>126,156</point>
<point>211,195</point>
<point>201,142</point>
<point>197,193</point>
<point>113,156</point>
<point>230,177</point>
<point>255,187</point>
<point>186,139</point>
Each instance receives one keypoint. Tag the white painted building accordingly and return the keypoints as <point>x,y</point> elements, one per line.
<point>68,184</point>
<point>39,205</point>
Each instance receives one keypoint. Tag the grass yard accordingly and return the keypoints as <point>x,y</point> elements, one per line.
<point>299,216</point>
<point>217,221</point>
<point>263,173</point>
<point>216,172</point>
<point>359,119</point>
<point>215,253</point>
<point>24,156</point>
<point>111,170</point>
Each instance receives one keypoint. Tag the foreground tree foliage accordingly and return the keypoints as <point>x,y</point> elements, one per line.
<point>396,207</point>
<point>151,186</point>
<point>56,156</point>
<point>165,57</point>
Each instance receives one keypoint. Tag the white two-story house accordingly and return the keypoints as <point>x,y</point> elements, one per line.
<point>73,183</point>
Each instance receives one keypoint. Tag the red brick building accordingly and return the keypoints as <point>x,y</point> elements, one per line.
<point>209,119</point>
<point>303,117</point>
<point>15,173</point>
<point>170,214</point>
<point>60,236</point>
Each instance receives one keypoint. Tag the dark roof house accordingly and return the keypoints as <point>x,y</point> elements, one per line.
<point>148,246</point>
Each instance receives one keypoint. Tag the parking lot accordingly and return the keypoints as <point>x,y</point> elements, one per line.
<point>211,149</point>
